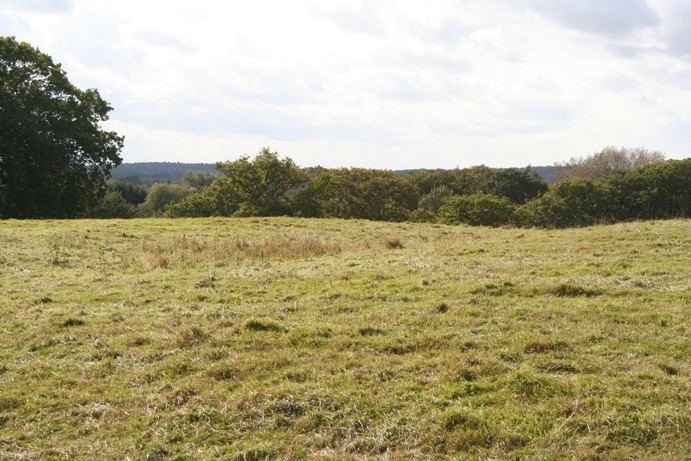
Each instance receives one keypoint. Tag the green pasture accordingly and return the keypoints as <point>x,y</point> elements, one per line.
<point>282,338</point>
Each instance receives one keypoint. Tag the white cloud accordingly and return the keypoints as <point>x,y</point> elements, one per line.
<point>611,18</point>
<point>383,83</point>
<point>677,15</point>
<point>163,39</point>
<point>362,20</point>
<point>39,6</point>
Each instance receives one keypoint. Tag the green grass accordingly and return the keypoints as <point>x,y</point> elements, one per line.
<point>254,339</point>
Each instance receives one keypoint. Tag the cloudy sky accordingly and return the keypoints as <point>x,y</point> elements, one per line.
<point>377,83</point>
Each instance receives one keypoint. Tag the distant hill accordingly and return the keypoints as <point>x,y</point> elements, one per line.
<point>150,172</point>
<point>545,172</point>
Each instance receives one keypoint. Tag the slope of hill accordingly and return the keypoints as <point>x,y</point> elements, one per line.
<point>151,172</point>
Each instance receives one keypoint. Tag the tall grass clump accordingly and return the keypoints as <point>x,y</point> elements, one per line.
<point>185,251</point>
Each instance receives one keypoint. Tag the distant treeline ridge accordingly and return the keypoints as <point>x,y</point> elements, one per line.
<point>616,184</point>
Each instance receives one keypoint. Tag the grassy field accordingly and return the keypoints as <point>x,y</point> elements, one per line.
<point>253,339</point>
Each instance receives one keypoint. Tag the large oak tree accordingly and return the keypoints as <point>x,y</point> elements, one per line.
<point>54,156</point>
<point>258,187</point>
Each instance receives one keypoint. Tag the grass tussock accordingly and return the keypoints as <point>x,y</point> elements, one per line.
<point>186,251</point>
<point>536,386</point>
<point>394,243</point>
<point>371,331</point>
<point>73,323</point>
<point>568,290</point>
<point>544,346</point>
<point>191,336</point>
<point>265,325</point>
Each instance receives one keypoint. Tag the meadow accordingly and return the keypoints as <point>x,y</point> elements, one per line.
<point>286,338</point>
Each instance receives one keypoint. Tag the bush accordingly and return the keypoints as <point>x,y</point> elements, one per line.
<point>656,191</point>
<point>574,202</point>
<point>162,194</point>
<point>421,215</point>
<point>434,199</point>
<point>358,193</point>
<point>198,205</point>
<point>477,210</point>
<point>519,186</point>
<point>132,193</point>
<point>113,205</point>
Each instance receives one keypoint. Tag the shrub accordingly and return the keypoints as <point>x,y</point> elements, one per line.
<point>421,215</point>
<point>574,202</point>
<point>162,194</point>
<point>198,205</point>
<point>657,191</point>
<point>358,193</point>
<point>132,193</point>
<point>519,186</point>
<point>435,198</point>
<point>477,210</point>
<point>113,205</point>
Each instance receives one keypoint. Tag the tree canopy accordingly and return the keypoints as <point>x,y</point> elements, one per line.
<point>259,185</point>
<point>478,196</point>
<point>161,195</point>
<point>608,160</point>
<point>519,186</point>
<point>247,187</point>
<point>358,193</point>
<point>54,156</point>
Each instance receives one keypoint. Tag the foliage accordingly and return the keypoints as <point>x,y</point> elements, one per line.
<point>259,186</point>
<point>477,210</point>
<point>661,190</point>
<point>574,202</point>
<point>198,180</point>
<point>434,199</point>
<point>379,195</point>
<point>427,180</point>
<point>464,181</point>
<point>54,157</point>
<point>113,205</point>
<point>518,185</point>
<point>200,204</point>
<point>132,193</point>
<point>148,173</point>
<point>310,201</point>
<point>161,195</point>
<point>608,160</point>
<point>421,215</point>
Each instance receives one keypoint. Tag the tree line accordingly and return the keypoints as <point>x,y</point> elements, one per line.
<point>148,173</point>
<point>55,161</point>
<point>616,184</point>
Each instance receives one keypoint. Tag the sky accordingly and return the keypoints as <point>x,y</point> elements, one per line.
<point>388,84</point>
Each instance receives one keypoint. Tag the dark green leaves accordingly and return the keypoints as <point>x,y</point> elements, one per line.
<point>54,157</point>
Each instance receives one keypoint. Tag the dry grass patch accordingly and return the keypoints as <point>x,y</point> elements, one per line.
<point>189,252</point>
